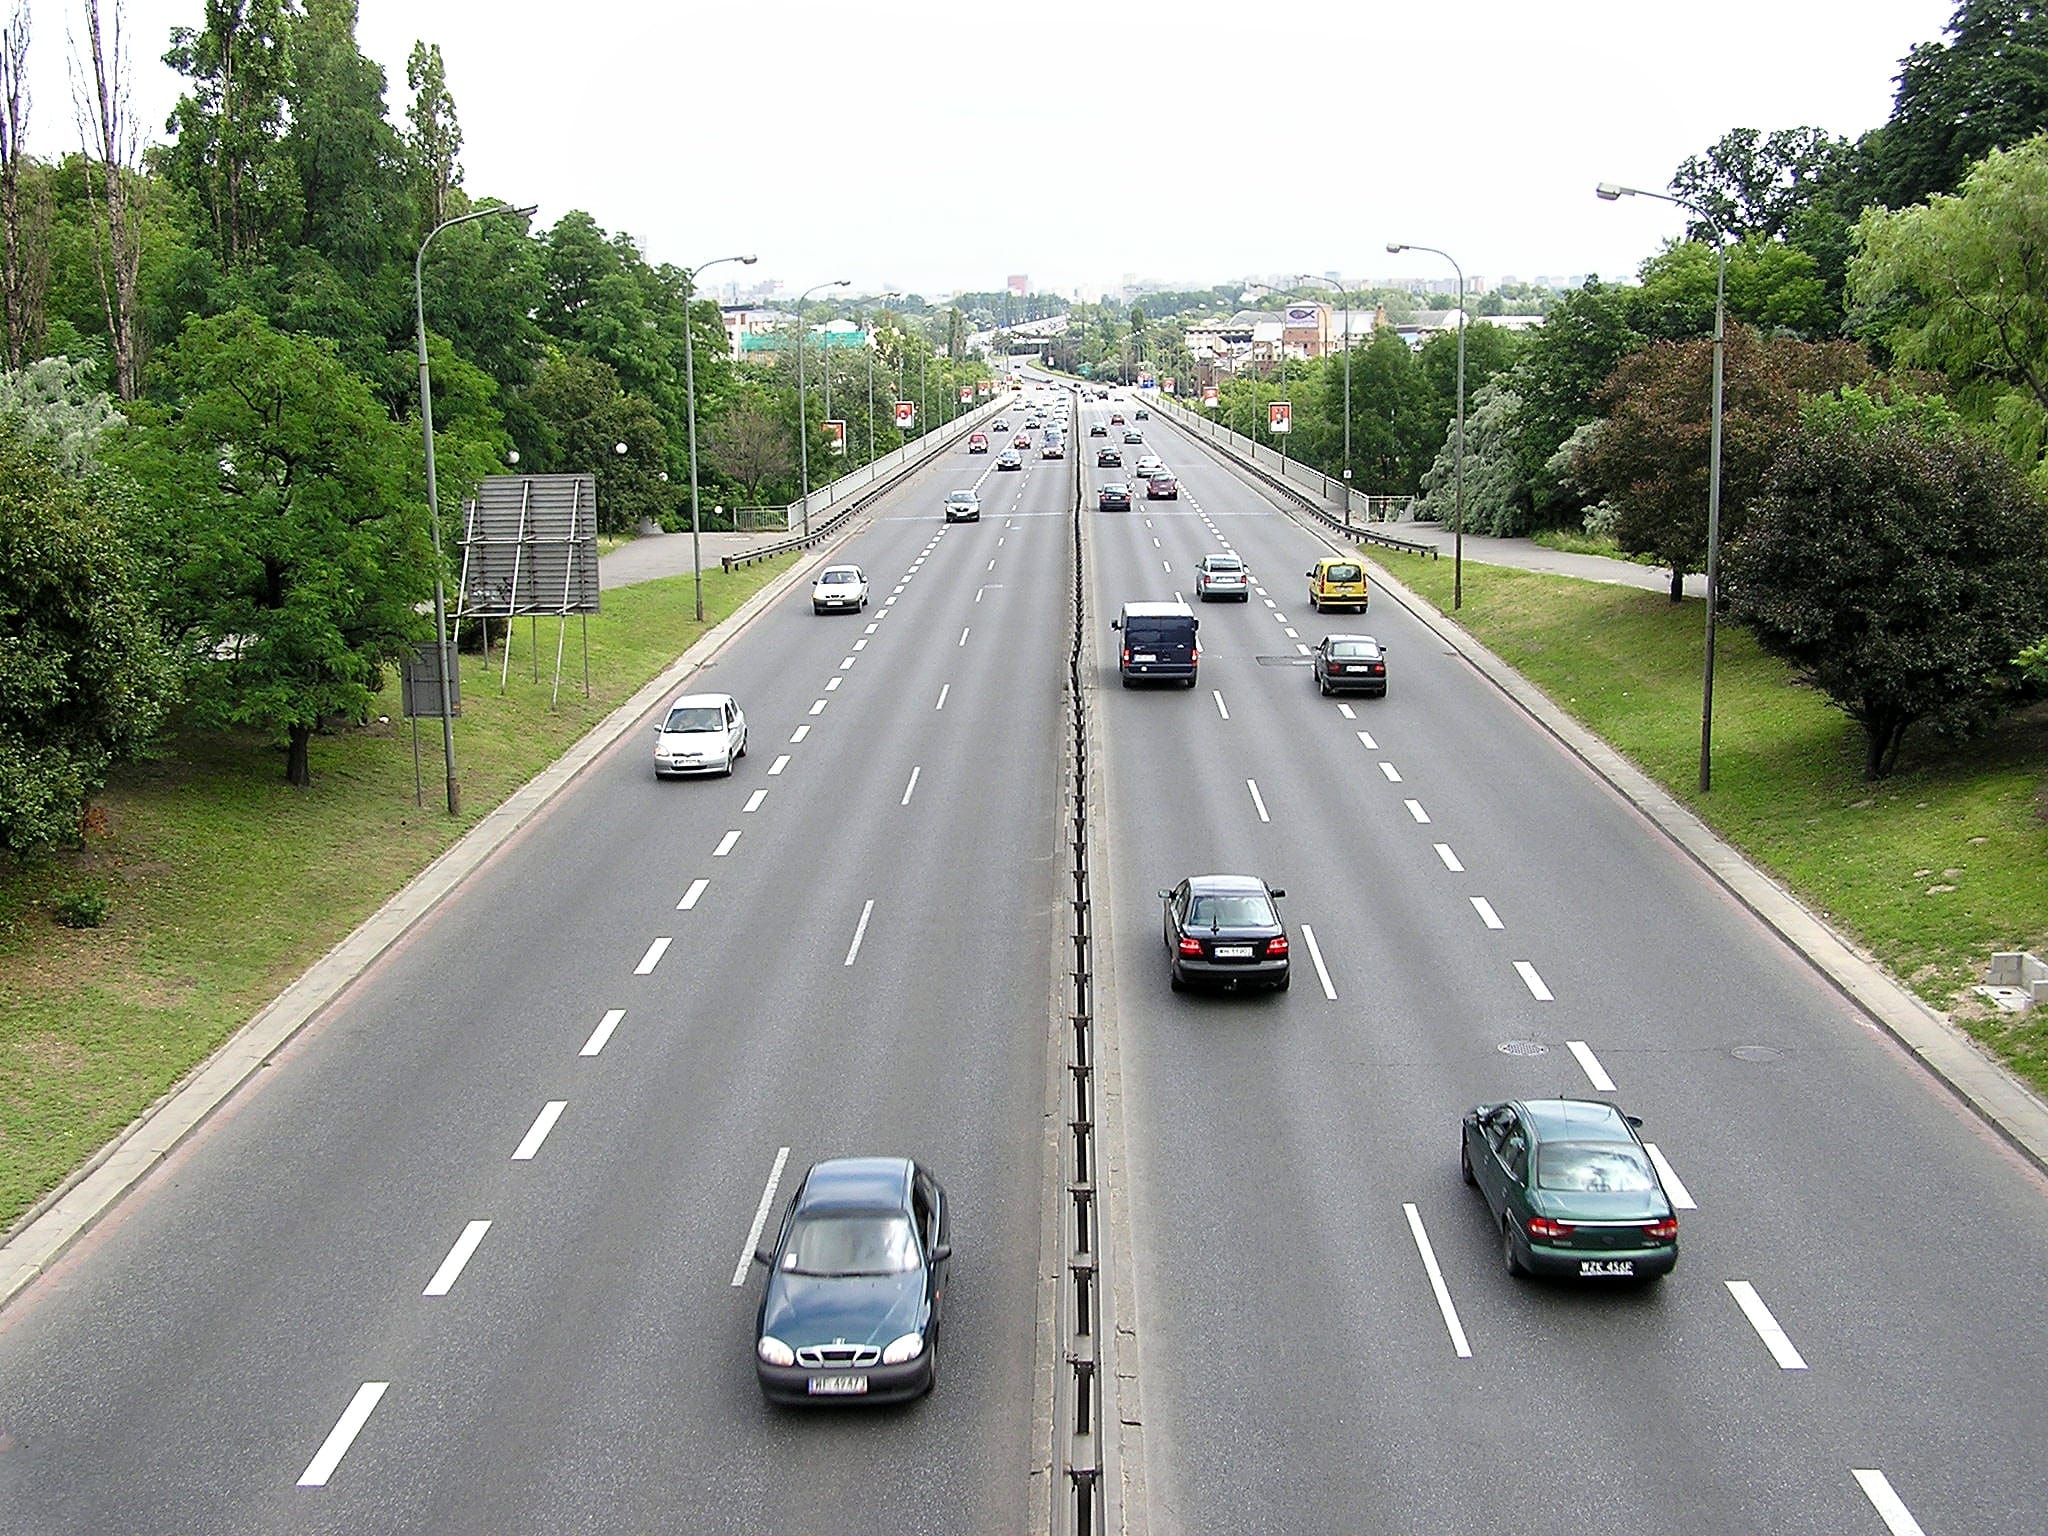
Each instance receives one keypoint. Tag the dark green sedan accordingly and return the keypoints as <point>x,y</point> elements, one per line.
<point>1571,1188</point>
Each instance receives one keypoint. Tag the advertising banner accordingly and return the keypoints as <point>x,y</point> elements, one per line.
<point>1167,385</point>
<point>966,394</point>
<point>1209,397</point>
<point>906,415</point>
<point>1279,417</point>
<point>835,436</point>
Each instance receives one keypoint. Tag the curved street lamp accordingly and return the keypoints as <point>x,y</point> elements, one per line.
<point>1395,248</point>
<point>803,420</point>
<point>690,407</point>
<point>441,657</point>
<point>1608,192</point>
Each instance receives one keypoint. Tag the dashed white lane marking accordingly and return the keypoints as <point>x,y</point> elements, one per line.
<point>690,896</point>
<point>990,566</point>
<point>1315,953</point>
<point>343,1435</point>
<point>725,844</point>
<point>451,1267</point>
<point>778,765</point>
<point>1485,910</point>
<point>1281,617</point>
<point>1595,1073</point>
<point>1436,1283</point>
<point>1258,801</point>
<point>1393,774</point>
<point>860,930</point>
<point>872,628</point>
<point>1535,984</point>
<point>879,616</point>
<point>1766,1326</point>
<point>799,734</point>
<point>1304,650</point>
<point>1292,633</point>
<point>603,1033</point>
<point>739,1274</point>
<point>1415,809</point>
<point>964,633</point>
<point>911,788</point>
<point>887,602</point>
<point>818,706</point>
<point>1168,564</point>
<point>1155,542</point>
<point>1443,851</point>
<point>848,662</point>
<point>999,545</point>
<point>832,684</point>
<point>897,593</point>
<point>1347,711</point>
<point>1218,693</point>
<point>1674,1187</point>
<point>1365,740</point>
<point>1889,1506</point>
<point>1262,592</point>
<point>538,1131</point>
<point>944,689</point>
<point>754,802</point>
<point>652,958</point>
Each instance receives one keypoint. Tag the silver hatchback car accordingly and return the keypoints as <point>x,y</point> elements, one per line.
<point>1221,576</point>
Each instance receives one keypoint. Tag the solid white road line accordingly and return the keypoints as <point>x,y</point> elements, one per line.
<point>944,689</point>
<point>754,802</point>
<point>343,1435</point>
<point>911,788</point>
<point>725,844</point>
<point>1315,953</point>
<point>832,684</point>
<point>799,734</point>
<point>1766,1326</point>
<point>1347,711</point>
<point>1393,774</point>
<point>1365,740</point>
<point>1218,692</point>
<point>818,707</point>
<point>1595,1073</point>
<point>1889,1506</point>
<point>1674,1186</point>
<point>1415,809</point>
<point>1443,851</point>
<point>1534,982</point>
<point>739,1274</point>
<point>778,765</point>
<point>1258,801</point>
<point>652,958</point>
<point>444,1277</point>
<point>538,1131</point>
<point>690,896</point>
<point>1486,913</point>
<point>963,633</point>
<point>603,1032</point>
<point>860,930</point>
<point>1436,1283</point>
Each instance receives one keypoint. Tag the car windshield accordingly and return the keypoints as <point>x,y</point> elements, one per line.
<point>696,717</point>
<point>1230,912</point>
<point>1593,1168</point>
<point>866,1244</point>
<point>1356,648</point>
<point>838,578</point>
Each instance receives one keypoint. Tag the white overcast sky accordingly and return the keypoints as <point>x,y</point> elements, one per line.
<point>932,146</point>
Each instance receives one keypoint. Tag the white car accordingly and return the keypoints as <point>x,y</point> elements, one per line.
<point>1148,465</point>
<point>839,589</point>
<point>1218,576</point>
<point>700,733</point>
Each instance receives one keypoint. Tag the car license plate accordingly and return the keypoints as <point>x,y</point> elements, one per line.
<point>1233,951</point>
<point>1607,1266</point>
<point>1145,658</point>
<point>838,1386</point>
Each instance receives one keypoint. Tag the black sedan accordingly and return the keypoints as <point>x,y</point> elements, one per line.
<point>1098,430</point>
<point>851,1308</point>
<point>1225,930</point>
<point>1571,1188</point>
<point>1346,662</point>
<point>1133,435</point>
<point>1108,458</point>
<point>1113,497</point>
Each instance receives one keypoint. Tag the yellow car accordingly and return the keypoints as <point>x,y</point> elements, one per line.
<point>1336,584</point>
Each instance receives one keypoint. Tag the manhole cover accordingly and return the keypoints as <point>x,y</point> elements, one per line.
<point>1286,661</point>
<point>1522,1048</point>
<point>1756,1053</point>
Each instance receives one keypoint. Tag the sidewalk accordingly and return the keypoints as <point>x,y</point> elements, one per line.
<point>655,555</point>
<point>1527,555</point>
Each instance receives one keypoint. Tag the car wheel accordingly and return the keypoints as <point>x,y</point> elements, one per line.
<point>1174,979</point>
<point>1191,682</point>
<point>1323,686</point>
<point>1286,980</point>
<point>817,607</point>
<point>1512,1259</point>
<point>743,744</point>
<point>1465,1163</point>
<point>1127,682</point>
<point>1313,605</point>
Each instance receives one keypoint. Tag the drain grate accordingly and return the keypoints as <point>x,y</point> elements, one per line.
<point>1522,1048</point>
<point>1286,661</point>
<point>1756,1053</point>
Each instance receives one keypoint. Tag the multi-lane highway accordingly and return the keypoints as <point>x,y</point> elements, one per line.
<point>472,1253</point>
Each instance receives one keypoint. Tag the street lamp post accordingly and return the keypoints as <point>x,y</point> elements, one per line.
<point>1608,191</point>
<point>441,656</point>
<point>1394,247</point>
<point>803,418</point>
<point>1312,278</point>
<point>690,409</point>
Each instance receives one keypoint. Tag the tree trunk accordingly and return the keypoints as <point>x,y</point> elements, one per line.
<point>24,257</point>
<point>108,128</point>
<point>298,765</point>
<point>1677,584</point>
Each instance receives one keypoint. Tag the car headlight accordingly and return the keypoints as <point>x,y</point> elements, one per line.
<point>774,1352</point>
<point>909,1347</point>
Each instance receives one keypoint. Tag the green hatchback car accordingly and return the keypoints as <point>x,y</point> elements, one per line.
<point>1572,1189</point>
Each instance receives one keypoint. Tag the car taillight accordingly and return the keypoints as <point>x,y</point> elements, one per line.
<point>1664,1231</point>
<point>1544,1227</point>
<point>1277,946</point>
<point>1376,667</point>
<point>1197,653</point>
<point>1127,653</point>
<point>1191,946</point>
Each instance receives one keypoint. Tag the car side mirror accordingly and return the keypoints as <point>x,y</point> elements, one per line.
<point>1166,895</point>
<point>942,1252</point>
<point>764,1258</point>
<point>1275,892</point>
<point>1634,1120</point>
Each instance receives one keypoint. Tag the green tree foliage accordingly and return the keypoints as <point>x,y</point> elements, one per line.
<point>1984,89</point>
<point>54,405</point>
<point>355,207</point>
<point>1961,284</point>
<point>227,149</point>
<point>295,534</point>
<point>1496,497</point>
<point>752,447</point>
<point>1900,569</point>
<point>1771,286</point>
<point>433,140</point>
<point>84,680</point>
<point>583,415</point>
<point>1555,385</point>
<point>1755,185</point>
<point>1648,458</point>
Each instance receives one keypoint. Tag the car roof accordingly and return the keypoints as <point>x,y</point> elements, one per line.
<point>963,493</point>
<point>1576,1120</point>
<point>1158,611</point>
<point>1351,640</point>
<point>831,568</point>
<point>1224,885</point>
<point>689,700</point>
<point>857,1184</point>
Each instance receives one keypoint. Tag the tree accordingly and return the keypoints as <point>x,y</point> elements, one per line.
<point>1985,89</point>
<point>1496,494</point>
<point>300,547</point>
<point>750,445</point>
<point>1900,569</point>
<point>24,219</point>
<point>228,129</point>
<point>434,145</point>
<point>1555,385</point>
<point>113,143</point>
<point>584,416</point>
<point>353,203</point>
<point>1770,286</point>
<point>53,406</point>
<point>1756,185</point>
<point>84,680</point>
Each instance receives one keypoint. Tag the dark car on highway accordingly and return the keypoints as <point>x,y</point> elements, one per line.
<point>855,1277</point>
<point>1224,930</point>
<point>1571,1188</point>
<point>1133,435</point>
<point>1098,430</point>
<point>1347,662</point>
<point>1108,458</point>
<point>1113,497</point>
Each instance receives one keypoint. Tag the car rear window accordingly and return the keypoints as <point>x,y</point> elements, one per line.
<point>869,1244</point>
<point>1593,1168</point>
<point>1225,565</point>
<point>1343,573</point>
<point>1230,912</point>
<point>1354,648</point>
<point>1152,632</point>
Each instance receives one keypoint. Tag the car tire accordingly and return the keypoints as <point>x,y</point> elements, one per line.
<point>1126,682</point>
<point>1323,686</point>
<point>1286,980</point>
<point>1174,979</point>
<point>1313,605</point>
<point>743,744</point>
<point>1515,1267</point>
<point>1191,683</point>
<point>1465,1163</point>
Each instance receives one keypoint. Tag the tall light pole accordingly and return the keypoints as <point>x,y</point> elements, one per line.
<point>1608,191</point>
<point>690,407</point>
<point>1310,277</point>
<point>1394,247</point>
<point>441,656</point>
<point>803,419</point>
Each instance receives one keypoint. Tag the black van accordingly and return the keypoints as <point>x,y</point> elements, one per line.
<point>1158,641</point>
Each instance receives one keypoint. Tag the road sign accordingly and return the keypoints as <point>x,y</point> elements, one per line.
<point>1279,417</point>
<point>906,415</point>
<point>835,436</point>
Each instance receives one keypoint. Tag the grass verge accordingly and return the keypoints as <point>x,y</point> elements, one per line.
<point>1931,870</point>
<point>223,883</point>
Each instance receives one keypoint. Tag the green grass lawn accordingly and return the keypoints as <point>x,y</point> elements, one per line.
<point>1931,869</point>
<point>224,883</point>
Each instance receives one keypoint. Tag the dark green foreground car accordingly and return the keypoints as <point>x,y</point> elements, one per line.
<point>1571,1188</point>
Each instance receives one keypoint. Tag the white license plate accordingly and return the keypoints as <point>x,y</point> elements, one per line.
<point>1607,1266</point>
<point>1233,951</point>
<point>838,1386</point>
<point>1145,658</point>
